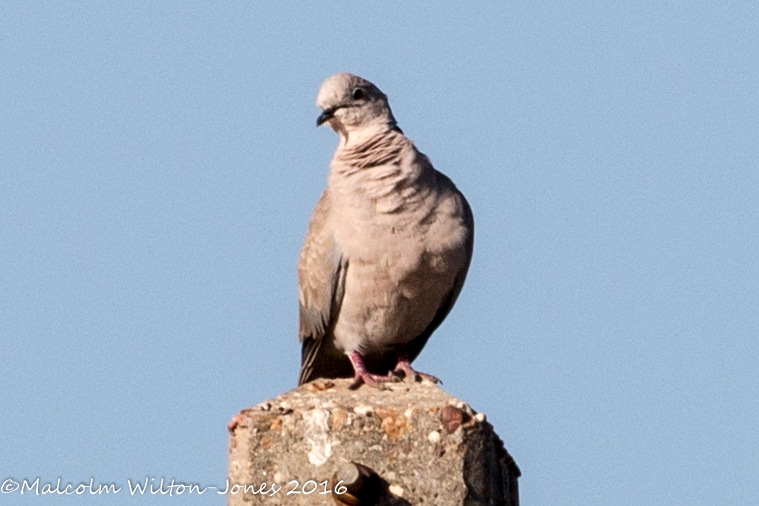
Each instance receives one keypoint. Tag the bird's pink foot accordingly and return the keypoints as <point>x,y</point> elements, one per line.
<point>414,375</point>
<point>363,376</point>
<point>373,380</point>
<point>404,366</point>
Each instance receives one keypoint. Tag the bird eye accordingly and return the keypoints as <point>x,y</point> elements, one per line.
<point>358,94</point>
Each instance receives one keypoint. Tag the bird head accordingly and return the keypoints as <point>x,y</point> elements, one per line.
<point>351,104</point>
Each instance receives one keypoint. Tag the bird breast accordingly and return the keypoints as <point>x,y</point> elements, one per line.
<point>404,248</point>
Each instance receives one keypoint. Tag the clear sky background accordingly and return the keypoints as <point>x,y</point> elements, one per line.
<point>159,162</point>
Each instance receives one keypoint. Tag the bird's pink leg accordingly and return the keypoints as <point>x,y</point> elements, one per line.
<point>364,376</point>
<point>404,365</point>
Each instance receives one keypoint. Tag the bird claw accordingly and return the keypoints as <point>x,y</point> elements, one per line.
<point>395,377</point>
<point>403,370</point>
<point>428,377</point>
<point>374,380</point>
<point>414,376</point>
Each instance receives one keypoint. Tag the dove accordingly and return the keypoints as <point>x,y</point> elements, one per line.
<point>387,249</point>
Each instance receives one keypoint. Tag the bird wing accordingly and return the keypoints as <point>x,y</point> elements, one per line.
<point>321,285</point>
<point>414,347</point>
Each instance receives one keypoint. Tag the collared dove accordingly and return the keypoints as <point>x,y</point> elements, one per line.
<point>387,250</point>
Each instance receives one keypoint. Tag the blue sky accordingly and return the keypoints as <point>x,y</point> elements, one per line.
<point>159,163</point>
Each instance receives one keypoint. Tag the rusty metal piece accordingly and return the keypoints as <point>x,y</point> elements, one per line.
<point>452,418</point>
<point>361,484</point>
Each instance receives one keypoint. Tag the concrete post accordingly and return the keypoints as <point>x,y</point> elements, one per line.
<point>410,444</point>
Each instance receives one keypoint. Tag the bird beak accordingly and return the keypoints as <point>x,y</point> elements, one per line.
<point>327,115</point>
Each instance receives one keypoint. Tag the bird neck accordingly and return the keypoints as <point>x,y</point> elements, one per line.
<point>354,138</point>
<point>381,147</point>
<point>380,174</point>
